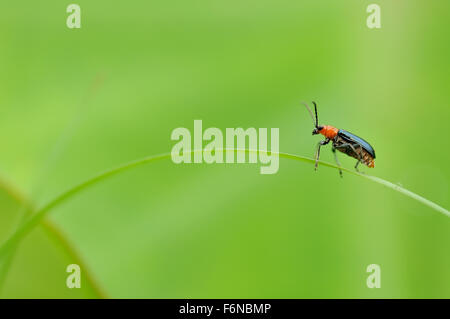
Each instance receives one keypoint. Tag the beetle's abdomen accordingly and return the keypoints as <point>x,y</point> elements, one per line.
<point>366,158</point>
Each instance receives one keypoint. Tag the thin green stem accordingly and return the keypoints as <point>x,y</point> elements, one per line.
<point>34,220</point>
<point>52,231</point>
<point>26,208</point>
<point>55,232</point>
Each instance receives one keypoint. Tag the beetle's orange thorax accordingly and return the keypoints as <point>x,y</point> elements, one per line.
<point>329,132</point>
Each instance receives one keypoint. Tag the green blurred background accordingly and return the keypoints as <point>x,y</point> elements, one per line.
<point>77,102</point>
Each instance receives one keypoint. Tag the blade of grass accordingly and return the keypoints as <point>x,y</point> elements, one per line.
<point>52,231</point>
<point>34,220</point>
<point>26,208</point>
<point>61,142</point>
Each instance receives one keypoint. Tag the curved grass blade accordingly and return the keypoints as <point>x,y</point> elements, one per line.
<point>34,220</point>
<point>51,230</point>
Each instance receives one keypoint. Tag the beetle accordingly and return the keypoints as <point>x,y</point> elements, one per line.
<point>343,141</point>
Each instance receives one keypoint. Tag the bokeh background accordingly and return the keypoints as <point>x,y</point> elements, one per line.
<point>77,102</point>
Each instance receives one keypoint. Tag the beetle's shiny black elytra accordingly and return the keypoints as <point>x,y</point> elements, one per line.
<point>344,142</point>
<point>352,137</point>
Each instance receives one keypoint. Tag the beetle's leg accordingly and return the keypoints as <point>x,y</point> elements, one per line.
<point>359,155</point>
<point>336,159</point>
<point>356,166</point>
<point>345,145</point>
<point>324,142</point>
<point>317,154</point>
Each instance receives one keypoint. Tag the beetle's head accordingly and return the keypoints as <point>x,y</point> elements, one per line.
<point>315,119</point>
<point>317,130</point>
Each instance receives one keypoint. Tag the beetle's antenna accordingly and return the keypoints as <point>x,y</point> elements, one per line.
<point>317,118</point>
<point>310,113</point>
